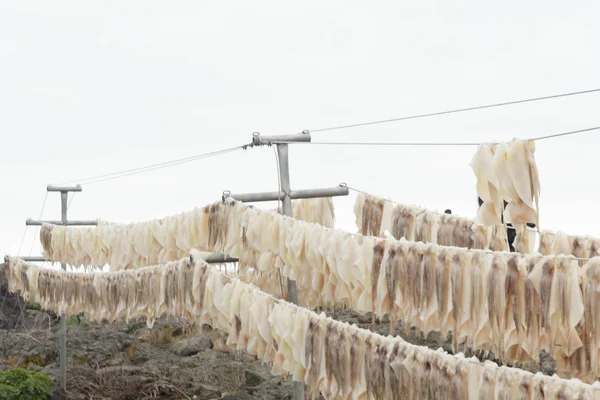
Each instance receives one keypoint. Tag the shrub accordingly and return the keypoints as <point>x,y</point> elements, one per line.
<point>30,305</point>
<point>73,320</point>
<point>21,384</point>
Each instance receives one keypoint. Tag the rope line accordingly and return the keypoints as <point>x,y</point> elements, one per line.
<point>22,306</point>
<point>395,143</point>
<point>438,143</point>
<point>566,133</point>
<point>457,110</point>
<point>22,239</point>
<point>37,230</point>
<point>152,167</point>
<point>70,201</point>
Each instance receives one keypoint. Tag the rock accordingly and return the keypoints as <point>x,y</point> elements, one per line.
<point>547,363</point>
<point>60,396</point>
<point>255,378</point>
<point>6,321</point>
<point>33,319</point>
<point>202,391</point>
<point>10,305</point>
<point>237,396</point>
<point>191,346</point>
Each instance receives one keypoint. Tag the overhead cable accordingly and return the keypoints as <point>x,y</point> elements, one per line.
<point>38,228</point>
<point>70,201</point>
<point>437,143</point>
<point>507,103</point>
<point>567,133</point>
<point>152,167</point>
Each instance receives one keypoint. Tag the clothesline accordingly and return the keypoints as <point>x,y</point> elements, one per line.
<point>151,167</point>
<point>166,164</point>
<point>457,110</point>
<point>439,143</point>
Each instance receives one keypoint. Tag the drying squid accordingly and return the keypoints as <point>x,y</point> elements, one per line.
<point>339,360</point>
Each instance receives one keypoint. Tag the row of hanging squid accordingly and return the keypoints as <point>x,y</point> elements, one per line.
<point>339,360</point>
<point>375,215</point>
<point>125,246</point>
<point>509,304</point>
<point>506,303</point>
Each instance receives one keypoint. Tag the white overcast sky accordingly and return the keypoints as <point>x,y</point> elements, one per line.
<point>94,87</point>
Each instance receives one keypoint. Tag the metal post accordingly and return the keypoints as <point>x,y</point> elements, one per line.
<point>63,319</point>
<point>284,170</point>
<point>286,195</point>
<point>64,194</point>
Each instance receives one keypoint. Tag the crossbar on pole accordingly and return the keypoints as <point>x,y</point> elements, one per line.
<point>215,258</point>
<point>258,140</point>
<point>31,222</point>
<point>33,259</point>
<point>51,188</point>
<point>218,258</point>
<point>341,190</point>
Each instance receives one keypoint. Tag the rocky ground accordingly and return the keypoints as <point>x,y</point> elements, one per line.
<point>128,361</point>
<point>173,360</point>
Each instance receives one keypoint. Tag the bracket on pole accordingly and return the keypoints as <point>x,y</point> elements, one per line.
<point>215,258</point>
<point>341,190</point>
<point>258,140</point>
<point>76,188</point>
<point>210,258</point>
<point>33,259</point>
<point>31,222</point>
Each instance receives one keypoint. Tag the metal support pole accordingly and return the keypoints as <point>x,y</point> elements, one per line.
<point>63,319</point>
<point>286,200</point>
<point>64,194</point>
<point>284,168</point>
<point>286,195</point>
<point>293,194</point>
<point>31,222</point>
